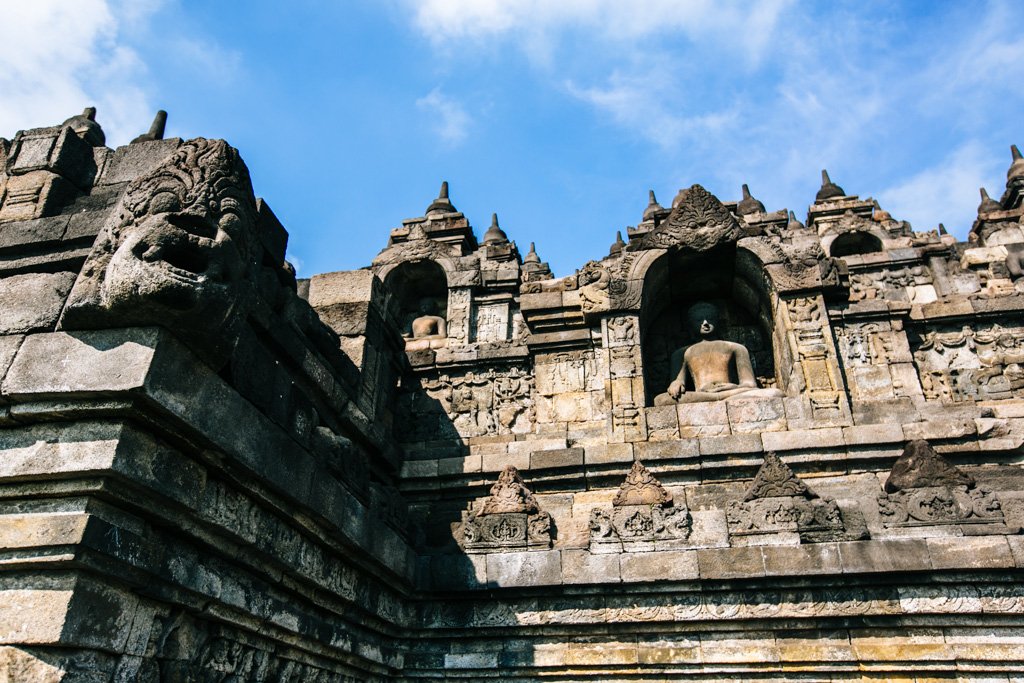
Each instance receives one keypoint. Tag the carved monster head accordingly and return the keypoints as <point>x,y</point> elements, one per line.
<point>178,250</point>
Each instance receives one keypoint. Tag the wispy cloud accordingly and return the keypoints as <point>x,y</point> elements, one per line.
<point>770,92</point>
<point>60,56</point>
<point>749,24</point>
<point>448,117</point>
<point>947,191</point>
<point>633,101</point>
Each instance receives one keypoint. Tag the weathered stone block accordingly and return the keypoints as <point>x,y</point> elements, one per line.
<point>610,452</point>
<point>540,568</point>
<point>38,231</point>
<point>561,457</point>
<point>582,566</point>
<point>666,450</point>
<point>33,302</point>
<point>730,445</point>
<point>828,437</point>
<point>977,552</point>
<point>815,558</point>
<point>870,434</point>
<point>861,557</point>
<point>730,563</point>
<point>666,565</point>
<point>756,414</point>
<point>131,161</point>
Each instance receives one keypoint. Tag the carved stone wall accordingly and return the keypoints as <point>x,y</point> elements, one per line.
<point>214,471</point>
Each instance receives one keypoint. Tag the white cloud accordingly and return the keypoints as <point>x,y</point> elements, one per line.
<point>60,57</point>
<point>449,118</point>
<point>749,25</point>
<point>948,191</point>
<point>629,99</point>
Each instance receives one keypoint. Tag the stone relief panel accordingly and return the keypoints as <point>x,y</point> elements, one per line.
<point>815,371</point>
<point>913,284</point>
<point>491,322</point>
<point>874,356</point>
<point>475,404</point>
<point>966,364</point>
<point>459,301</point>
<point>567,372</point>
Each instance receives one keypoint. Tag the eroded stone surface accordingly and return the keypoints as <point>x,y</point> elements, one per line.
<point>234,474</point>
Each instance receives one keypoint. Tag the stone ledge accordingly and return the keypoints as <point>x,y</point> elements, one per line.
<point>579,566</point>
<point>150,366</point>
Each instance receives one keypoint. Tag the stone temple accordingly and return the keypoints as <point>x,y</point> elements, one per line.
<point>737,447</point>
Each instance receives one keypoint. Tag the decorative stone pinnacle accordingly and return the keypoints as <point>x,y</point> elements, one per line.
<point>794,224</point>
<point>652,206</point>
<point>829,190</point>
<point>531,256</point>
<point>987,203</point>
<point>641,488</point>
<point>494,234</point>
<point>509,494</point>
<point>775,479</point>
<point>442,203</point>
<point>1016,169</point>
<point>90,113</point>
<point>618,245</point>
<point>942,229</point>
<point>156,129</point>
<point>748,204</point>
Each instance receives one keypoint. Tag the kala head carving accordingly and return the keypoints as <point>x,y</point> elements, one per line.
<point>178,250</point>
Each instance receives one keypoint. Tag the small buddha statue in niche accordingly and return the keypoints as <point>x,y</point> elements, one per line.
<point>429,330</point>
<point>711,369</point>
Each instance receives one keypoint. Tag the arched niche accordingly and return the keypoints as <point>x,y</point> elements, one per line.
<point>414,282</point>
<point>854,242</point>
<point>676,281</point>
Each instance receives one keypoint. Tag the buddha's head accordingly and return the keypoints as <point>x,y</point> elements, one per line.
<point>702,320</point>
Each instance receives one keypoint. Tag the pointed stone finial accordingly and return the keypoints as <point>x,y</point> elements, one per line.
<point>1016,169</point>
<point>441,204</point>
<point>531,256</point>
<point>618,245</point>
<point>794,224</point>
<point>748,204</point>
<point>156,129</point>
<point>829,190</point>
<point>653,206</point>
<point>509,494</point>
<point>494,234</point>
<point>987,203</point>
<point>85,127</point>
<point>942,229</point>
<point>641,488</point>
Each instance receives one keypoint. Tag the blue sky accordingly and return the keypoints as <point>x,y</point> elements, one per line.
<point>559,116</point>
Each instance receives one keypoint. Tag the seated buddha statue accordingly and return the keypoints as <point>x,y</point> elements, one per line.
<point>712,369</point>
<point>429,330</point>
